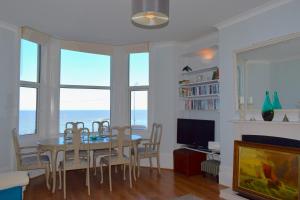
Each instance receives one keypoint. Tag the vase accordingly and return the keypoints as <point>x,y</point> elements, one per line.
<point>276,102</point>
<point>267,111</point>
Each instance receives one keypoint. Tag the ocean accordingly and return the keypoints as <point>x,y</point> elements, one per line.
<point>27,118</point>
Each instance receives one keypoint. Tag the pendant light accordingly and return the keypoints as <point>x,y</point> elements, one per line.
<point>150,13</point>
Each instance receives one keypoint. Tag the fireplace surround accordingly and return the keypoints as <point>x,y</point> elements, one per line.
<point>266,167</point>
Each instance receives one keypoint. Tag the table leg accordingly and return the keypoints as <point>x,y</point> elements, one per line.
<point>134,160</point>
<point>53,159</point>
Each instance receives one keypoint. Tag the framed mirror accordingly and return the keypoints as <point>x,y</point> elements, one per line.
<point>272,66</point>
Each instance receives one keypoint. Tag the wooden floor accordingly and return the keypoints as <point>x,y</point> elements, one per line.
<point>149,186</point>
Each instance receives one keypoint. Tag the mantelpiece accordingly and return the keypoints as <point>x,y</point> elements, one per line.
<point>274,128</point>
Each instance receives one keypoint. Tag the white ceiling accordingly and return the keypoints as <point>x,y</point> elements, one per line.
<point>108,21</point>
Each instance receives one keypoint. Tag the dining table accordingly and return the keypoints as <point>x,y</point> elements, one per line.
<point>56,144</point>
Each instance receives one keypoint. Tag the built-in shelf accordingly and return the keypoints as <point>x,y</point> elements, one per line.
<point>200,95</point>
<point>199,83</point>
<point>202,70</point>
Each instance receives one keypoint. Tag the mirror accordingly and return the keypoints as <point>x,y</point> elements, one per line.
<point>273,66</point>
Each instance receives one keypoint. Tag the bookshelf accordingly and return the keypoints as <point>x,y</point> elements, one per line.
<point>199,89</point>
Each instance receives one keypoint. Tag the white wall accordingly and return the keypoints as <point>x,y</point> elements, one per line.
<point>9,92</point>
<point>163,89</point>
<point>271,24</point>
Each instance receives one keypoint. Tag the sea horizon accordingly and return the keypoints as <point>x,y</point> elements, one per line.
<point>27,118</point>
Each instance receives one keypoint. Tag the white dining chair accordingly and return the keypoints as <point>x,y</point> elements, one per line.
<point>77,162</point>
<point>120,158</point>
<point>103,127</point>
<point>30,158</point>
<point>150,148</point>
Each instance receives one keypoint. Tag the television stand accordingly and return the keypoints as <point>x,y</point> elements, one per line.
<point>202,150</point>
<point>188,161</point>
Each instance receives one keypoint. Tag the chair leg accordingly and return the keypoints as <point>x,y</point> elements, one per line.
<point>65,196</point>
<point>88,180</point>
<point>124,171</point>
<point>47,173</point>
<point>101,172</point>
<point>132,161</point>
<point>59,175</point>
<point>150,161</point>
<point>130,181</point>
<point>95,165</point>
<point>109,174</point>
<point>116,168</point>
<point>158,164</point>
<point>138,163</point>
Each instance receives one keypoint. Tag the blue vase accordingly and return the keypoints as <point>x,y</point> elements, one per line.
<point>267,111</point>
<point>276,102</point>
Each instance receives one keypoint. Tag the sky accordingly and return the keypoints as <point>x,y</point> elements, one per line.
<point>79,68</point>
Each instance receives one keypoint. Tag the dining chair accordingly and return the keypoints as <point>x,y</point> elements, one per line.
<point>119,142</point>
<point>69,135</point>
<point>103,127</point>
<point>74,123</point>
<point>150,147</point>
<point>80,136</point>
<point>30,158</point>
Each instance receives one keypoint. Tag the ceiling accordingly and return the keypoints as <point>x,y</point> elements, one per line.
<point>108,21</point>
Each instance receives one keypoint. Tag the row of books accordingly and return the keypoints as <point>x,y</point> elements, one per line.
<point>201,90</point>
<point>204,104</point>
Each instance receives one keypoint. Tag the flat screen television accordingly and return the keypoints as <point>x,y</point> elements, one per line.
<point>195,133</point>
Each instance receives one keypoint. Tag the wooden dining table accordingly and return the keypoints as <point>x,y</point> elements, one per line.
<point>55,145</point>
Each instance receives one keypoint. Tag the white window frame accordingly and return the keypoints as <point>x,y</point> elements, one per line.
<point>67,86</point>
<point>138,88</point>
<point>29,84</point>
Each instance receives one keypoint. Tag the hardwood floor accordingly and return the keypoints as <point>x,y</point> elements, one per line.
<point>150,186</point>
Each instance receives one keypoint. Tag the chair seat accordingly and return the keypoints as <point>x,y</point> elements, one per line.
<point>71,164</point>
<point>115,160</point>
<point>70,154</point>
<point>32,161</point>
<point>143,152</point>
<point>103,152</point>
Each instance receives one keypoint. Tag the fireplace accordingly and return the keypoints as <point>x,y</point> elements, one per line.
<point>267,167</point>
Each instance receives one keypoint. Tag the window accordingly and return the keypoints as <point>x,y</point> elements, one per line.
<point>85,88</point>
<point>139,86</point>
<point>29,86</point>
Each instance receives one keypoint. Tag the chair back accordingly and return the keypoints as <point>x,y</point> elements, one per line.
<point>102,127</point>
<point>71,124</point>
<point>155,137</point>
<point>80,141</point>
<point>17,147</point>
<point>121,139</point>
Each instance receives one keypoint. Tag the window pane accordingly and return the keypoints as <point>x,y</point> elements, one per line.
<point>139,69</point>
<point>29,61</point>
<point>84,105</point>
<point>79,68</point>
<point>139,108</point>
<point>27,115</point>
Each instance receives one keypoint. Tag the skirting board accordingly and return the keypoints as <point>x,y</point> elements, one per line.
<point>228,194</point>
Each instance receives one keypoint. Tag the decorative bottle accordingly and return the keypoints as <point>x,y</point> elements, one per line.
<point>276,102</point>
<point>267,111</point>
